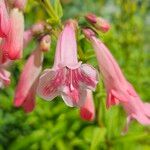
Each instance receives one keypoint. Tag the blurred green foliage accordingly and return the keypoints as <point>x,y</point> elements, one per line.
<point>54,126</point>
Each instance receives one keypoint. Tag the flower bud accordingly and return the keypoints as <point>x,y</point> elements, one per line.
<point>72,23</point>
<point>38,28</point>
<point>45,43</point>
<point>88,33</point>
<point>98,22</point>
<point>20,4</point>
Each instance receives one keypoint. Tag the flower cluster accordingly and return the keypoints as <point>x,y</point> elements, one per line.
<point>69,78</point>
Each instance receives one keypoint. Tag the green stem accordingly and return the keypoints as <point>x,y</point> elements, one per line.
<point>51,10</point>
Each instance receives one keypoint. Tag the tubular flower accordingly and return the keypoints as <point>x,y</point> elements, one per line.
<point>68,77</point>
<point>98,22</point>
<point>13,44</point>
<point>87,111</point>
<point>4,20</point>
<point>26,88</point>
<point>119,90</point>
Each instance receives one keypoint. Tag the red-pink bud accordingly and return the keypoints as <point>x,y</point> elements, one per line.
<point>98,22</point>
<point>38,28</point>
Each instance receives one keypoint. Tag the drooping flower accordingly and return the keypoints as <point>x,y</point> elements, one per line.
<point>13,43</point>
<point>118,89</point>
<point>68,77</point>
<point>87,111</point>
<point>98,22</point>
<point>26,88</point>
<point>4,20</point>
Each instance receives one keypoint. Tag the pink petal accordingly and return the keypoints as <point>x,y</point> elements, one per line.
<point>29,75</point>
<point>4,20</point>
<point>49,84</point>
<point>68,52</point>
<point>87,111</point>
<point>90,76</point>
<point>13,45</point>
<point>75,97</point>
<point>4,77</point>
<point>27,37</point>
<point>29,102</point>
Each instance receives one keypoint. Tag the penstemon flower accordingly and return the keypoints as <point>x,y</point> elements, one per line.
<point>13,43</point>
<point>118,89</point>
<point>4,20</point>
<point>87,111</point>
<point>68,77</point>
<point>26,88</point>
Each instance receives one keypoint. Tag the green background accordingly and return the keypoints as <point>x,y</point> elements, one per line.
<point>53,125</point>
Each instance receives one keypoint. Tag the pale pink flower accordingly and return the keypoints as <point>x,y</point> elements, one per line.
<point>26,88</point>
<point>87,111</point>
<point>68,77</point>
<point>4,19</point>
<point>119,90</point>
<point>98,22</point>
<point>13,44</point>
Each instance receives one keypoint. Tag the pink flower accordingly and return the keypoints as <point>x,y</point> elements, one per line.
<point>13,44</point>
<point>87,111</point>
<point>4,19</point>
<point>26,88</point>
<point>98,22</point>
<point>119,90</point>
<point>68,77</point>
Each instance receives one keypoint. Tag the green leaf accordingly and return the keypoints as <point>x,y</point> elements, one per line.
<point>58,8</point>
<point>98,138</point>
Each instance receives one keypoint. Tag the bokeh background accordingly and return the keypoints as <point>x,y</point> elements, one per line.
<point>53,125</point>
